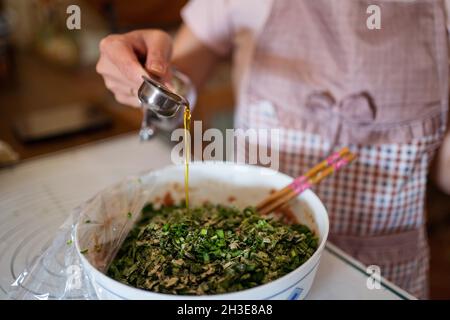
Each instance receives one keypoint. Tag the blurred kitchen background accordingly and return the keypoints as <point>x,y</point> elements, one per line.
<point>47,75</point>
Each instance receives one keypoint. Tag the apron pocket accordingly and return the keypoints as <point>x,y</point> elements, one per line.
<point>383,249</point>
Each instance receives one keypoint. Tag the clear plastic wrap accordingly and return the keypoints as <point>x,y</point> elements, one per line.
<point>102,223</point>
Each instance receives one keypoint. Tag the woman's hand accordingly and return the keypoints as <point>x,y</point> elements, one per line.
<point>125,58</point>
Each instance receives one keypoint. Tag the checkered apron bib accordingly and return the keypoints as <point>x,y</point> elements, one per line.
<point>325,81</point>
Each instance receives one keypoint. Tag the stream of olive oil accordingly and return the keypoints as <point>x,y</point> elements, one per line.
<point>187,151</point>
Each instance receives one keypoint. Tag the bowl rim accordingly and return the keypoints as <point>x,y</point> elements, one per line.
<point>308,195</point>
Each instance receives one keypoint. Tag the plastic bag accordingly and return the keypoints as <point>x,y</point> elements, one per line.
<point>102,223</point>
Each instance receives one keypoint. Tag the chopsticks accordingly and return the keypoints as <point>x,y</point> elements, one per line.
<point>316,174</point>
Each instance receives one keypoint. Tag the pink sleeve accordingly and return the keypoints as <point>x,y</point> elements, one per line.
<point>209,20</point>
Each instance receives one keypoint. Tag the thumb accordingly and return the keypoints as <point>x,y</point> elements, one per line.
<point>121,53</point>
<point>159,51</point>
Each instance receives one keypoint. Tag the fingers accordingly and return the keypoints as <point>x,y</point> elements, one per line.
<point>159,51</point>
<point>124,90</point>
<point>109,71</point>
<point>122,55</point>
<point>116,86</point>
<point>128,100</point>
<point>119,62</point>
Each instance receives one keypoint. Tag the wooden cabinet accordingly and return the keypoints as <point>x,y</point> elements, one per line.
<point>126,14</point>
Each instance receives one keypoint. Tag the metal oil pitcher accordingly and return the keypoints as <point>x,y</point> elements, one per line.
<point>161,105</point>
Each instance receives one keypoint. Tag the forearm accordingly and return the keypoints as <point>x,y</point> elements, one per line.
<point>192,57</point>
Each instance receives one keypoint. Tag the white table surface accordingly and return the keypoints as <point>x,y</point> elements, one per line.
<point>37,195</point>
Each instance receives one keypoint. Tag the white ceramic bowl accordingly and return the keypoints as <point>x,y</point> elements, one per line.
<point>218,183</point>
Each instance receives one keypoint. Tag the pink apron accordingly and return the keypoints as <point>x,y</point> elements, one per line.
<point>326,81</point>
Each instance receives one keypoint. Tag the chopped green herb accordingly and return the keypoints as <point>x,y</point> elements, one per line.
<point>69,242</point>
<point>220,233</point>
<point>209,249</point>
<point>84,251</point>
<point>87,221</point>
<point>129,215</point>
<point>205,257</point>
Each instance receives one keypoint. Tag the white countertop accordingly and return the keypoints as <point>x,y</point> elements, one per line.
<point>37,195</point>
